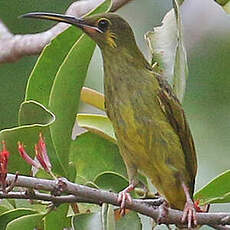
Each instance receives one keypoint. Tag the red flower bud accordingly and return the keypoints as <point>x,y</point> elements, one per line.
<point>41,154</point>
<point>42,159</point>
<point>4,157</point>
<point>26,157</point>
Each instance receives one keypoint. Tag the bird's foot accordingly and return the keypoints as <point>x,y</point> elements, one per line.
<point>125,196</point>
<point>163,212</point>
<point>189,214</point>
<point>190,209</point>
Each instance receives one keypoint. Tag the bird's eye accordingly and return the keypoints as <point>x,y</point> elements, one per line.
<point>103,25</point>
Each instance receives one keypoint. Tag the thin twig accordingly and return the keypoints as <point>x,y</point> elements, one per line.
<point>45,197</point>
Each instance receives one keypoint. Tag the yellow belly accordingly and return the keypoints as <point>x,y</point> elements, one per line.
<point>146,139</point>
<point>149,142</point>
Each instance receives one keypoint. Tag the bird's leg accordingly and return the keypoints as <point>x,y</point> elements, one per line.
<point>189,212</point>
<point>125,196</point>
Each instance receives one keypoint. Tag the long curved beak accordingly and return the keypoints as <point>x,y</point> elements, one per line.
<point>79,22</point>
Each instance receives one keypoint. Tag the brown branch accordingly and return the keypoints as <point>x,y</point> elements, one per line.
<point>80,193</point>
<point>45,197</point>
<point>13,47</point>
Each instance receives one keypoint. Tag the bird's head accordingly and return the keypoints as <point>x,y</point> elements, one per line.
<point>107,30</point>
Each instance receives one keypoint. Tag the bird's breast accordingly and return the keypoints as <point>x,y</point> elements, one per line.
<point>133,108</point>
<point>141,127</point>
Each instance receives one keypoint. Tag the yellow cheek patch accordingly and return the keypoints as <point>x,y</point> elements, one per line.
<point>110,38</point>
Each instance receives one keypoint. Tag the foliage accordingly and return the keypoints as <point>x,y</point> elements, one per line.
<point>169,56</point>
<point>52,98</point>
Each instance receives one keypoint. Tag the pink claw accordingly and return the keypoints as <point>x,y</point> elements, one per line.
<point>189,212</point>
<point>123,197</point>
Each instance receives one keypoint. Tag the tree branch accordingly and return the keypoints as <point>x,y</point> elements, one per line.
<point>13,47</point>
<point>45,197</point>
<point>80,193</point>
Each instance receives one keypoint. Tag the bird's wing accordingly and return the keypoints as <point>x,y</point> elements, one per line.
<point>175,114</point>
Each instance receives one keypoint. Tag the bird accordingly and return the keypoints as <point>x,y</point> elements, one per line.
<point>152,131</point>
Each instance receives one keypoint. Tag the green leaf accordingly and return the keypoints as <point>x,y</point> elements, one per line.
<point>110,218</point>
<point>129,222</point>
<point>5,203</point>
<point>115,182</point>
<point>222,2</point>
<point>98,124</point>
<point>27,222</point>
<point>94,221</point>
<point>27,134</point>
<point>180,65</point>
<point>24,203</point>
<point>91,221</point>
<point>92,151</point>
<point>88,207</point>
<point>65,95</point>
<point>3,209</point>
<point>180,2</point>
<point>93,97</point>
<point>167,48</point>
<point>32,112</point>
<point>226,7</point>
<point>43,75</point>
<point>148,223</point>
<point>216,191</point>
<point>111,181</point>
<point>107,216</point>
<point>57,79</point>
<point>9,216</point>
<point>72,171</point>
<point>57,218</point>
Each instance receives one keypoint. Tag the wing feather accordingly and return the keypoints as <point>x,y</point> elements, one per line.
<point>175,114</point>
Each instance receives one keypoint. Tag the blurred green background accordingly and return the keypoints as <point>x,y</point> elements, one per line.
<point>207,104</point>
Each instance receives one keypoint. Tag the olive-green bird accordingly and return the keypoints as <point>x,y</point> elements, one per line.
<point>150,125</point>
